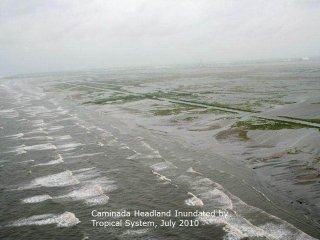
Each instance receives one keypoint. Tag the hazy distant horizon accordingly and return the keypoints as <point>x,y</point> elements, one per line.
<point>145,66</point>
<point>51,36</point>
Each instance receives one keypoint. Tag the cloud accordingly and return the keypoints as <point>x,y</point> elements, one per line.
<point>37,35</point>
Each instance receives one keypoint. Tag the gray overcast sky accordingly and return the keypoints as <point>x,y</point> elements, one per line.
<point>44,35</point>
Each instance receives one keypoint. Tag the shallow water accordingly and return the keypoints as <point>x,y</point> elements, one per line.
<point>60,160</point>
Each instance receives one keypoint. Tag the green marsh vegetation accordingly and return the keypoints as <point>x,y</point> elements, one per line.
<point>239,107</point>
<point>263,124</point>
<point>317,160</point>
<point>311,120</point>
<point>212,111</point>
<point>176,109</point>
<point>117,98</point>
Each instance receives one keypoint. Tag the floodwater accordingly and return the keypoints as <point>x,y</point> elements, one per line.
<point>162,139</point>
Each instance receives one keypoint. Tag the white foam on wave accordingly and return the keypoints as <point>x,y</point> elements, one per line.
<point>90,194</point>
<point>64,112</point>
<point>9,113</point>
<point>38,123</point>
<point>26,161</point>
<point>191,170</point>
<point>35,110</point>
<point>63,137</point>
<point>69,145</point>
<point>93,188</point>
<point>282,232</point>
<point>52,162</point>
<point>85,155</point>
<point>194,201</point>
<point>147,145</point>
<point>42,138</point>
<point>61,179</point>
<point>138,155</point>
<point>40,147</point>
<point>136,232</point>
<point>87,175</point>
<point>125,147</point>
<point>55,128</point>
<point>112,142</point>
<point>37,130</point>
<point>220,199</point>
<point>236,225</point>
<point>161,177</point>
<point>66,219</point>
<point>14,136</point>
<point>155,153</point>
<point>104,131</point>
<point>37,198</point>
<point>64,119</point>
<point>92,176</point>
<point>18,150</point>
<point>83,170</point>
<point>162,166</point>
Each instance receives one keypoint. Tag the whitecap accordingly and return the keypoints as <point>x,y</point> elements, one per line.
<point>162,166</point>
<point>83,170</point>
<point>37,130</point>
<point>52,162</point>
<point>162,177</point>
<point>63,137</point>
<point>194,201</point>
<point>61,179</point>
<point>55,128</point>
<point>26,161</point>
<point>38,138</point>
<point>39,147</point>
<point>9,113</point>
<point>136,232</point>
<point>66,219</point>
<point>14,136</point>
<point>38,123</point>
<point>37,198</point>
<point>90,194</point>
<point>218,197</point>
<point>69,145</point>
<point>191,170</point>
<point>138,155</point>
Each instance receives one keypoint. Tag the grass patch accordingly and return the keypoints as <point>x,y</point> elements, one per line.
<point>263,124</point>
<point>212,110</point>
<point>310,120</point>
<point>126,98</point>
<point>240,90</point>
<point>190,118</point>
<point>243,134</point>
<point>316,160</point>
<point>243,108</point>
<point>293,151</point>
<point>172,111</point>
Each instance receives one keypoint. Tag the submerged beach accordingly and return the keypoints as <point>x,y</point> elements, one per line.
<point>239,139</point>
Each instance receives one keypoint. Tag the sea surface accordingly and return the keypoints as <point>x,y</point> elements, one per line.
<point>121,140</point>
